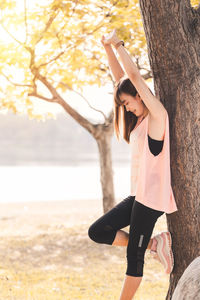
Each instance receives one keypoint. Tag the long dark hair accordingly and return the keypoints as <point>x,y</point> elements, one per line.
<point>122,117</point>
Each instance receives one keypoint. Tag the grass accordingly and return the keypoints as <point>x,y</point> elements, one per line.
<point>63,263</point>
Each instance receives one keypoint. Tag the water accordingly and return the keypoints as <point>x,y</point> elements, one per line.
<point>54,183</point>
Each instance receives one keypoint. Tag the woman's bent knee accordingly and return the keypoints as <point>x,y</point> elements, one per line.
<point>95,233</point>
<point>92,233</point>
<point>101,234</point>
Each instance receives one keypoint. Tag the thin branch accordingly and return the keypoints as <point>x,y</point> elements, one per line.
<point>68,87</point>
<point>10,34</point>
<point>25,20</point>
<point>73,11</point>
<point>41,35</point>
<point>34,93</point>
<point>59,40</point>
<point>97,27</point>
<point>55,58</point>
<point>50,21</point>
<point>51,60</point>
<point>62,28</point>
<point>143,68</point>
<point>56,98</point>
<point>147,75</point>
<point>16,84</point>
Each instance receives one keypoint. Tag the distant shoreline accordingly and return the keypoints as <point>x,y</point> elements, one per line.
<point>71,163</point>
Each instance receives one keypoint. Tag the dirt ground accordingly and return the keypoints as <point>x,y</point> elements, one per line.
<point>45,253</point>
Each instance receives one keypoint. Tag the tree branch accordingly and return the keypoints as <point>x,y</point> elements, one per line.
<point>148,75</point>
<point>22,44</point>
<point>97,27</point>
<point>73,10</point>
<point>25,20</point>
<point>68,87</point>
<point>16,84</point>
<point>35,94</point>
<point>55,58</point>
<point>76,116</point>
<point>145,76</point>
<point>48,24</point>
<point>51,60</point>
<point>72,112</point>
<point>48,85</point>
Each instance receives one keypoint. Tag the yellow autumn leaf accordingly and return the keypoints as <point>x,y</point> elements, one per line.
<point>66,50</point>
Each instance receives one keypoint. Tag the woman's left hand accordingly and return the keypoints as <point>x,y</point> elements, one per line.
<point>103,41</point>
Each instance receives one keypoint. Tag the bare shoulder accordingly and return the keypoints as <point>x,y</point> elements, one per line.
<point>156,126</point>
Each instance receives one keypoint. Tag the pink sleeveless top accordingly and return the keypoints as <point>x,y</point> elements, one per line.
<point>151,175</point>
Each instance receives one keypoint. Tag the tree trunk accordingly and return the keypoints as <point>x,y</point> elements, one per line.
<point>104,146</point>
<point>102,133</point>
<point>173,34</point>
<point>189,285</point>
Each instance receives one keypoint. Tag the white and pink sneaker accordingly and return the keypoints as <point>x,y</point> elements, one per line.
<point>162,251</point>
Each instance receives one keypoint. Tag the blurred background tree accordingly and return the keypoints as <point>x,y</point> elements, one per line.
<point>54,50</point>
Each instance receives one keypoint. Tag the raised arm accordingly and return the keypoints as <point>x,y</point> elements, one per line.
<point>115,67</point>
<point>154,105</point>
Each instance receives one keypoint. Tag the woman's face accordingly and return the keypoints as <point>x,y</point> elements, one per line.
<point>133,104</point>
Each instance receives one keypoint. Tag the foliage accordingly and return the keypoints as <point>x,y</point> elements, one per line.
<point>60,41</point>
<point>195,3</point>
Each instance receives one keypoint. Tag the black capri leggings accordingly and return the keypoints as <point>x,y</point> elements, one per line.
<point>141,219</point>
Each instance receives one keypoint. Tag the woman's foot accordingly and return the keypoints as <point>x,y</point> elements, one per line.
<point>162,251</point>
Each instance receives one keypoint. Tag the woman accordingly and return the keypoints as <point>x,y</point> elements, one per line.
<point>146,128</point>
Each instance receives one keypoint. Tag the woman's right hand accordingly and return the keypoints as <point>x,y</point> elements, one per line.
<point>110,38</point>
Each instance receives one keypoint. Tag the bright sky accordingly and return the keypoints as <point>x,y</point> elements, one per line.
<point>100,98</point>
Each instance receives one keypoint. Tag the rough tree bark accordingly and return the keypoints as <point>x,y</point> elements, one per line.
<point>172,29</point>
